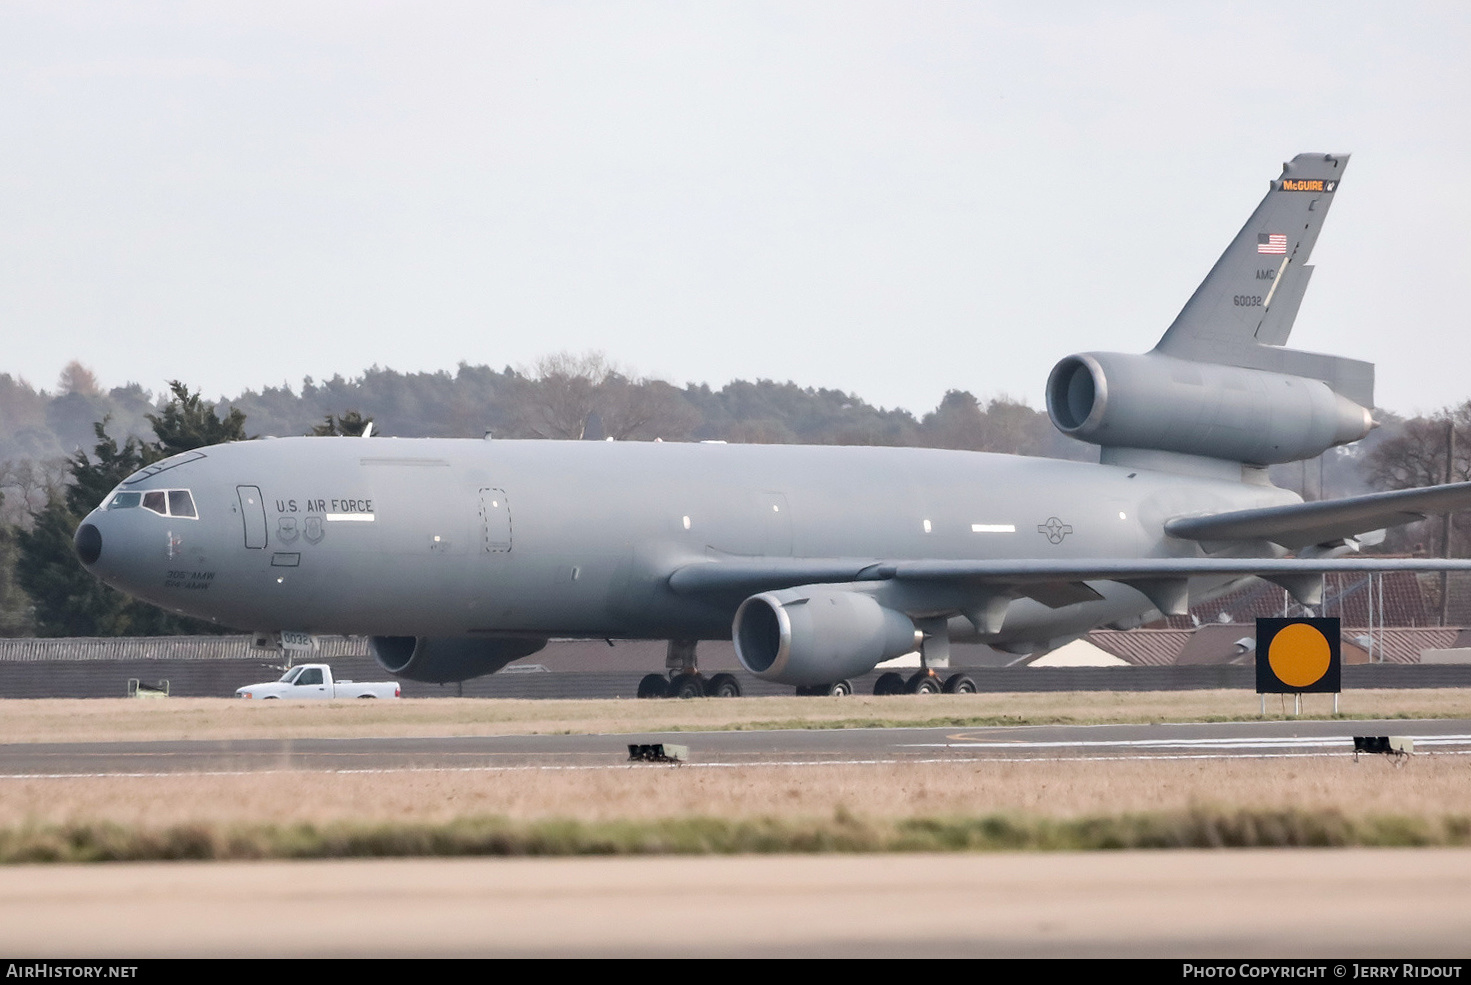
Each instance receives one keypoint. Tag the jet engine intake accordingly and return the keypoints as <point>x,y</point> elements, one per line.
<point>445,660</point>
<point>1168,404</point>
<point>816,635</point>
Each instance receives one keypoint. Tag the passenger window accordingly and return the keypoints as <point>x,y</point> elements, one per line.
<point>154,501</point>
<point>125,501</point>
<point>181,503</point>
<point>312,676</point>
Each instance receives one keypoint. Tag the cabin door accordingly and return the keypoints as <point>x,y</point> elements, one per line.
<point>253,514</point>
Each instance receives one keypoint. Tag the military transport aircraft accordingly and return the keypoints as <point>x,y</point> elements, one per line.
<point>458,556</point>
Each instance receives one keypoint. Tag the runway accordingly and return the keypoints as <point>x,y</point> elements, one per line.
<point>787,747</point>
<point>1167,904</point>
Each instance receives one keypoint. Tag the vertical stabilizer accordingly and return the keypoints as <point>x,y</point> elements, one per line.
<point>1243,311</point>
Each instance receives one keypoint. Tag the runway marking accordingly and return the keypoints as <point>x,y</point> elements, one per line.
<point>1206,743</point>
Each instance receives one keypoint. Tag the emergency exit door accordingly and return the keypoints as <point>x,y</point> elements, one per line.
<point>495,521</point>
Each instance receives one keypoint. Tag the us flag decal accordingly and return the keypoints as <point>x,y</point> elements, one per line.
<point>1271,243</point>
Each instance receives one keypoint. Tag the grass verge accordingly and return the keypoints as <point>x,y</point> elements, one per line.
<point>121,719</point>
<point>79,842</point>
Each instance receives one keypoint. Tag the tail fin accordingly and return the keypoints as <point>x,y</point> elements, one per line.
<point>1242,313</point>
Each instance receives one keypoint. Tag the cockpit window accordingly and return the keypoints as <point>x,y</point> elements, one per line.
<point>164,502</point>
<point>181,503</point>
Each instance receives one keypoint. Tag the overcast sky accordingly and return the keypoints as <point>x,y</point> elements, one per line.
<point>895,199</point>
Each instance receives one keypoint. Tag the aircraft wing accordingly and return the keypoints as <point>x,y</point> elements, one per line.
<point>764,574</point>
<point>1053,582</point>
<point>1302,524</point>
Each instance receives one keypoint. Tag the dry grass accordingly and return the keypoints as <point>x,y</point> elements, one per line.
<point>102,720</point>
<point>643,808</point>
<point>1429,786</point>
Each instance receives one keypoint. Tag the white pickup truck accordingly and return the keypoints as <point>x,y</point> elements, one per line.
<point>315,681</point>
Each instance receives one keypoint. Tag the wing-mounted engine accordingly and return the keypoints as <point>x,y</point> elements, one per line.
<point>446,660</point>
<point>1165,403</point>
<point>816,634</point>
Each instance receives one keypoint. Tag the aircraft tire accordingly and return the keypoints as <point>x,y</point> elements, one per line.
<point>960,684</point>
<point>723,686</point>
<point>840,689</point>
<point>923,682</point>
<point>687,686</point>
<point>889,683</point>
<point>653,686</point>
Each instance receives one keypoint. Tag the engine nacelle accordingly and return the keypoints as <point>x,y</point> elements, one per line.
<point>1168,404</point>
<point>447,660</point>
<point>818,635</point>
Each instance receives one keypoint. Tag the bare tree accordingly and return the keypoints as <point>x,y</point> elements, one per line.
<point>76,378</point>
<point>29,485</point>
<point>1011,427</point>
<point>565,394</point>
<point>1416,456</point>
<point>760,432</point>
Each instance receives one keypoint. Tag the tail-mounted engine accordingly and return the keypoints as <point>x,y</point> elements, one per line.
<point>1164,403</point>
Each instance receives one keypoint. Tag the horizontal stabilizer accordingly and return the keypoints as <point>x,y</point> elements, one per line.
<point>1302,524</point>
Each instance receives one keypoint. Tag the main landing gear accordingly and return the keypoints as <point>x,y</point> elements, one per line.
<point>837,689</point>
<point>934,652</point>
<point>924,681</point>
<point>682,677</point>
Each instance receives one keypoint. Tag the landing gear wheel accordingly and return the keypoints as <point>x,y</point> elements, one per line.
<point>653,686</point>
<point>889,683</point>
<point>687,686</point>
<point>839,689</point>
<point>960,684</point>
<point>723,686</point>
<point>923,682</point>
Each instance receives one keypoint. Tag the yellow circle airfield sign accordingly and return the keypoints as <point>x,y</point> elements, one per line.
<point>1297,655</point>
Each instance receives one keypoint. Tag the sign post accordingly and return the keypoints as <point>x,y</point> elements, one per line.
<point>1297,657</point>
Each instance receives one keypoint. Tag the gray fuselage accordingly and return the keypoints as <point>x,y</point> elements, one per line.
<point>449,538</point>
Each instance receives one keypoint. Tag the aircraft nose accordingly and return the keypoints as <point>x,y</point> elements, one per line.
<point>88,542</point>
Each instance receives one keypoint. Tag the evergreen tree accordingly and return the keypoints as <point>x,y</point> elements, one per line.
<point>15,607</point>
<point>67,600</point>
<point>187,422</point>
<point>351,424</point>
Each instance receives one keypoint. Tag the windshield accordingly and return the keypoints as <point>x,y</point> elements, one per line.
<point>164,502</point>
